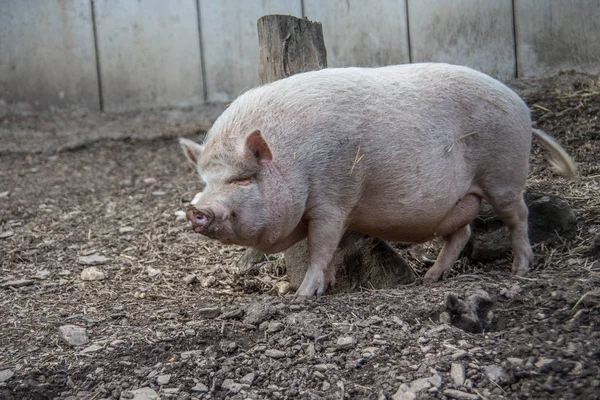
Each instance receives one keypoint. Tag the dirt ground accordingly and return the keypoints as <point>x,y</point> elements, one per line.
<point>174,315</point>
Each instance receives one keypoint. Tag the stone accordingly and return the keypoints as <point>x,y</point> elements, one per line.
<point>248,379</point>
<point>126,229</point>
<point>209,312</point>
<point>273,353</point>
<point>258,312</point>
<point>189,279</point>
<point>544,364</point>
<point>200,388</point>
<point>6,374</point>
<point>496,373</point>
<point>457,394</point>
<point>42,274</point>
<point>93,259</point>
<point>283,287</point>
<point>436,381</point>
<point>91,349</point>
<point>459,355</point>
<point>92,274</point>
<point>74,335</point>
<point>472,315</point>
<point>193,354</point>
<point>458,374</point>
<point>163,379</point>
<point>345,342</point>
<point>140,394</point>
<point>275,326</point>
<point>149,181</point>
<point>180,215</point>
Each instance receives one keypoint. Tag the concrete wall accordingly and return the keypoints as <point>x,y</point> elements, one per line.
<point>475,33</point>
<point>149,53</point>
<point>126,54</point>
<point>47,56</point>
<point>554,35</point>
<point>362,33</point>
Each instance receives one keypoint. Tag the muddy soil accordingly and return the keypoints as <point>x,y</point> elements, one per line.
<point>173,316</point>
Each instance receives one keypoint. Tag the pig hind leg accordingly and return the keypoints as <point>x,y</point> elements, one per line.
<point>456,232</point>
<point>512,210</point>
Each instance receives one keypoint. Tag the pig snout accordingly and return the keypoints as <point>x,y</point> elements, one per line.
<point>200,219</point>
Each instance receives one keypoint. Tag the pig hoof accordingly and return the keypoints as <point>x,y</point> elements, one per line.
<point>433,276</point>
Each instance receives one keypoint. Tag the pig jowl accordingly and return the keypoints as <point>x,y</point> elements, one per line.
<point>403,153</point>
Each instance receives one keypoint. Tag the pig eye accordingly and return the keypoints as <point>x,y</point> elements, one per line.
<point>240,180</point>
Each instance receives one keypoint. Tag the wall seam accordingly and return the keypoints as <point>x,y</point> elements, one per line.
<point>202,59</point>
<point>97,53</point>
<point>410,57</point>
<point>515,38</point>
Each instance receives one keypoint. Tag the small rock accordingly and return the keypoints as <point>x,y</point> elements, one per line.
<point>457,372</point>
<point>233,314</point>
<point>140,394</point>
<point>91,349</point>
<point>189,279</point>
<point>93,259</point>
<point>436,381</point>
<point>5,375</point>
<point>92,274</point>
<point>4,194</point>
<point>208,282</point>
<point>273,353</point>
<point>125,229</point>
<point>419,385</point>
<point>544,364</point>
<point>180,215</point>
<point>200,388</point>
<point>516,362</point>
<point>345,342</point>
<point>275,326</point>
<point>192,354</point>
<point>152,272</point>
<point>6,234</point>
<point>42,274</point>
<point>404,393</point>
<point>457,394</point>
<point>459,355</point>
<point>17,283</point>
<point>163,379</point>
<point>149,181</point>
<point>158,193</point>
<point>74,335</point>
<point>209,312</point>
<point>258,312</point>
<point>283,288</point>
<point>117,342</point>
<point>496,373</point>
<point>248,379</point>
<point>169,392</point>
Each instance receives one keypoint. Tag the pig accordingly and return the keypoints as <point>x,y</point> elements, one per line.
<point>403,153</point>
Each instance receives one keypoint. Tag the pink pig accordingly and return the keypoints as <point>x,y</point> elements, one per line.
<point>403,153</point>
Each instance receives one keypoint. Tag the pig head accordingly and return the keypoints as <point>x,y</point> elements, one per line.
<point>232,206</point>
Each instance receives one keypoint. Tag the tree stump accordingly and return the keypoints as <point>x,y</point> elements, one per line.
<point>290,45</point>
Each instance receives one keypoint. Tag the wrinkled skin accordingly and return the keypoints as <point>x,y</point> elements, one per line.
<point>403,153</point>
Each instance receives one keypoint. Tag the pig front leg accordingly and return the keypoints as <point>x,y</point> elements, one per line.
<point>324,234</point>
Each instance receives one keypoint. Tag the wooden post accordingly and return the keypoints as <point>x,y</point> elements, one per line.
<point>290,45</point>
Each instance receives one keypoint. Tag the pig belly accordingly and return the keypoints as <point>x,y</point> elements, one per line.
<point>415,219</point>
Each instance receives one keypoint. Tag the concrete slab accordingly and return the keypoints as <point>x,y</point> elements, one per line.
<point>230,42</point>
<point>149,53</point>
<point>554,35</point>
<point>478,34</point>
<point>362,33</point>
<point>47,56</point>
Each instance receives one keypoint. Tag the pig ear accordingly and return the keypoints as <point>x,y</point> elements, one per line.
<point>258,146</point>
<point>192,150</point>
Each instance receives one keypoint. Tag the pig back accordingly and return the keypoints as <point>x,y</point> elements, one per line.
<point>394,136</point>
